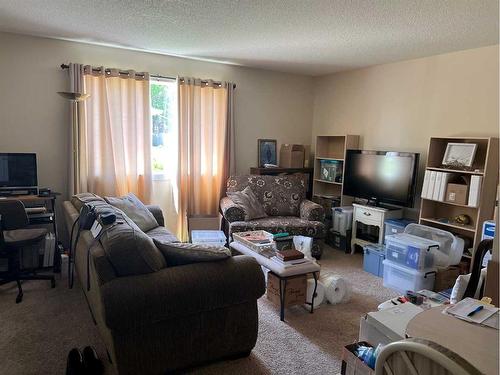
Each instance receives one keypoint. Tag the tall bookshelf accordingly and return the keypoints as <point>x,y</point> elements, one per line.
<point>485,164</point>
<point>332,148</point>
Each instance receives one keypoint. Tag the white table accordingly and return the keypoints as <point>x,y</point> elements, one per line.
<point>372,216</point>
<point>281,272</point>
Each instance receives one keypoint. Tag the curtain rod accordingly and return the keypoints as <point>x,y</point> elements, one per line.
<point>66,66</point>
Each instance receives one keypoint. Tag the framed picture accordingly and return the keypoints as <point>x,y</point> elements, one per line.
<point>267,152</point>
<point>460,154</point>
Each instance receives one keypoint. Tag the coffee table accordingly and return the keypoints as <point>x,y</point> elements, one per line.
<point>282,273</point>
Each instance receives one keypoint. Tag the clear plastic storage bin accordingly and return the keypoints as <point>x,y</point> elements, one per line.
<point>450,248</point>
<point>402,279</point>
<point>331,170</point>
<point>394,226</point>
<point>411,251</point>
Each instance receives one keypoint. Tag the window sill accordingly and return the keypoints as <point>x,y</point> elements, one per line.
<point>160,177</point>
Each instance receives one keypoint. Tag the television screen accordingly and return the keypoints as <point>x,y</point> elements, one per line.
<point>383,176</point>
<point>18,170</point>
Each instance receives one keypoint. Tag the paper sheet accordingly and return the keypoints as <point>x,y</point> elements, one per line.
<point>462,309</point>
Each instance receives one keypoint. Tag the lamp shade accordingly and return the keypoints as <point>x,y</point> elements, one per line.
<point>73,96</point>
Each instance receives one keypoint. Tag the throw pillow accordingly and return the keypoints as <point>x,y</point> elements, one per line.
<point>249,203</point>
<point>178,254</point>
<point>135,210</point>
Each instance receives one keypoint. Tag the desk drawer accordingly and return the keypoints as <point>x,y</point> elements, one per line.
<point>368,216</point>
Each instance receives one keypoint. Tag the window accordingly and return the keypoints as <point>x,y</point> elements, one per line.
<point>164,128</point>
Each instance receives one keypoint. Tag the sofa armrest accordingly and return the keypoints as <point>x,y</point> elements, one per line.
<point>134,301</point>
<point>311,211</point>
<point>231,211</point>
<point>157,213</point>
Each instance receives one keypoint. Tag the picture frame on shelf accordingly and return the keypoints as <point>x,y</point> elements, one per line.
<point>459,154</point>
<point>267,152</point>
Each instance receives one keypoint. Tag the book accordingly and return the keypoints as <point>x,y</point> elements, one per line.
<point>291,263</point>
<point>289,254</point>
<point>425,187</point>
<point>432,183</point>
<point>437,186</point>
<point>445,178</point>
<point>475,190</point>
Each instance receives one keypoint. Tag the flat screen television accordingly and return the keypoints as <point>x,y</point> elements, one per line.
<point>381,176</point>
<point>18,170</point>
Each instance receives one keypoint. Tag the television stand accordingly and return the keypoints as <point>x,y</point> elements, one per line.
<point>368,224</point>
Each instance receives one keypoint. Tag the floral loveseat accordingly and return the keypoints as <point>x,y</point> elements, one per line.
<point>283,199</point>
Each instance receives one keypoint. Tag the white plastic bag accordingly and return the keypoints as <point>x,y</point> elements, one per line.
<point>304,245</point>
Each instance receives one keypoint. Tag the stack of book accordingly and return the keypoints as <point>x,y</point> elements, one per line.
<point>290,258</point>
<point>436,184</point>
<point>259,241</point>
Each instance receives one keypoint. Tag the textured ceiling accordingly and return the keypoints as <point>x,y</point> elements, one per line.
<point>309,37</point>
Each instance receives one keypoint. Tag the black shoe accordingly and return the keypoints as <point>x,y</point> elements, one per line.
<point>91,362</point>
<point>74,364</point>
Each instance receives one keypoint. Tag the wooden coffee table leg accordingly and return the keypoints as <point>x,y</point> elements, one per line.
<point>282,298</point>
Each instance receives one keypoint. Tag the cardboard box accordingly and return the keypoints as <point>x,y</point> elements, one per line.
<point>446,277</point>
<point>352,365</point>
<point>457,193</point>
<point>307,156</point>
<point>291,156</point>
<point>295,292</point>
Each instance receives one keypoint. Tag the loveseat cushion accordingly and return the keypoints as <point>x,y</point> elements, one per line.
<point>295,226</point>
<point>135,210</point>
<point>178,254</point>
<point>279,195</point>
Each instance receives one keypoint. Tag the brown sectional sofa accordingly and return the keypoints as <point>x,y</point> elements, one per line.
<point>165,318</point>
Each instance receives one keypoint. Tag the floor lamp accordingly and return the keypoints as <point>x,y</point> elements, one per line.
<point>75,98</point>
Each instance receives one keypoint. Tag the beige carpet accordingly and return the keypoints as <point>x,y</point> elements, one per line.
<point>36,335</point>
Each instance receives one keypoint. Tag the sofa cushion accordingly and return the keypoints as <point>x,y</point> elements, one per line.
<point>249,203</point>
<point>295,226</point>
<point>135,210</point>
<point>279,195</point>
<point>162,234</point>
<point>79,200</point>
<point>178,254</point>
<point>130,250</point>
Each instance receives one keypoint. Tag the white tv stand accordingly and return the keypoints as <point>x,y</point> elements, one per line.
<point>373,216</point>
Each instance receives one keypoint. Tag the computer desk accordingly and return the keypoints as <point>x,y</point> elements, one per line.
<point>475,343</point>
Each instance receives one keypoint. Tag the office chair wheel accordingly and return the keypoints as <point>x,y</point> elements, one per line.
<point>52,283</point>
<point>19,298</point>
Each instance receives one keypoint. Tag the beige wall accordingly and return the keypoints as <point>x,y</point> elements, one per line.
<point>35,119</point>
<point>400,106</point>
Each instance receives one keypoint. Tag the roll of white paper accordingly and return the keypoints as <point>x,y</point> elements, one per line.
<point>320,293</point>
<point>336,289</point>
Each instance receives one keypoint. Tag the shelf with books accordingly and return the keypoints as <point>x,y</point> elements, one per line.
<point>459,171</point>
<point>470,193</point>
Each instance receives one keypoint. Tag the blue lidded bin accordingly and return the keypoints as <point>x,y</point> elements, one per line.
<point>373,258</point>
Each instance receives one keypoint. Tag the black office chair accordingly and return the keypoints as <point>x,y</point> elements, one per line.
<point>13,237</point>
<point>482,249</point>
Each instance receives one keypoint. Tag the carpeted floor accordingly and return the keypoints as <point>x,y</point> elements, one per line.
<point>36,335</point>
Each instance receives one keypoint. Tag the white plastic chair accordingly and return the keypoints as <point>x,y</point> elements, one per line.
<point>421,357</point>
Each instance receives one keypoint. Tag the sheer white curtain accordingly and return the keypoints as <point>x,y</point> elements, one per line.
<point>115,134</point>
<point>206,144</point>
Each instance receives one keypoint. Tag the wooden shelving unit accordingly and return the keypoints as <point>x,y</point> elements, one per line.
<point>332,148</point>
<point>486,165</point>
